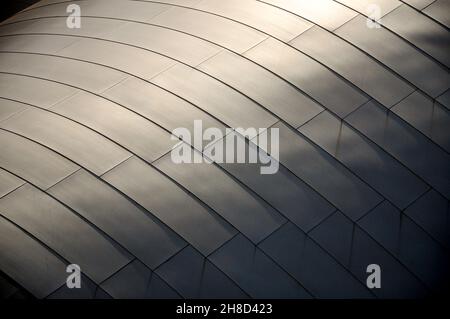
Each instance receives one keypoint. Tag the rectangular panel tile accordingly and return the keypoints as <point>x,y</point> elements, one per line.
<point>160,106</point>
<point>78,143</point>
<point>274,21</point>
<point>134,10</point>
<point>138,62</point>
<point>29,263</point>
<point>419,69</point>
<point>8,182</point>
<point>33,162</point>
<point>135,281</point>
<point>58,228</point>
<point>368,75</point>
<point>37,43</point>
<point>308,75</point>
<point>139,232</point>
<point>283,190</point>
<point>432,212</point>
<point>249,214</point>
<point>214,97</point>
<point>256,273</point>
<point>404,143</point>
<point>174,44</point>
<point>438,10</point>
<point>429,117</point>
<point>421,31</point>
<point>414,247</point>
<point>34,91</point>
<point>93,27</point>
<point>230,34</point>
<point>8,108</point>
<point>126,128</point>
<point>311,265</point>
<point>325,174</point>
<point>419,4</point>
<point>194,277</point>
<point>365,159</point>
<point>356,249</point>
<point>263,87</point>
<point>170,204</point>
<point>80,74</point>
<point>326,13</point>
<point>367,7</point>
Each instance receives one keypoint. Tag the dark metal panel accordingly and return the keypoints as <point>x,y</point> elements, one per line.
<point>413,149</point>
<point>283,190</point>
<point>325,174</point>
<point>139,232</point>
<point>432,212</point>
<point>311,265</point>
<point>135,281</point>
<point>421,31</point>
<point>196,277</point>
<point>29,263</point>
<point>414,247</point>
<point>171,205</point>
<point>439,10</point>
<point>255,272</point>
<point>366,159</point>
<point>338,234</point>
<point>429,117</point>
<point>63,231</point>
<point>249,214</point>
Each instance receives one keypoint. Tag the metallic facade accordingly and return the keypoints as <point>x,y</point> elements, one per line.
<point>86,177</point>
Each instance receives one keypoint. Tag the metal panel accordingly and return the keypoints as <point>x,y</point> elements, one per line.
<point>404,143</point>
<point>33,162</point>
<point>139,232</point>
<point>307,75</point>
<point>146,139</point>
<point>271,92</point>
<point>66,233</point>
<point>195,277</point>
<point>224,32</point>
<point>366,159</point>
<point>171,205</point>
<point>271,20</point>
<point>214,97</point>
<point>248,213</point>
<point>355,66</point>
<point>29,263</point>
<point>255,272</point>
<point>419,69</point>
<point>78,143</point>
